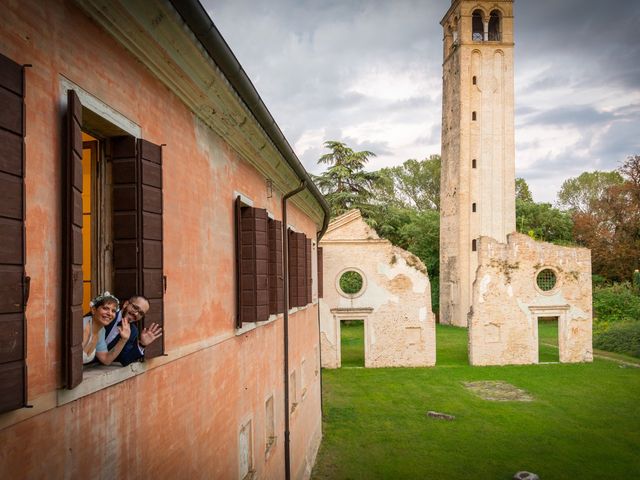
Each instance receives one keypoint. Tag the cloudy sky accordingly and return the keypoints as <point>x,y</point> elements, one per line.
<point>368,73</point>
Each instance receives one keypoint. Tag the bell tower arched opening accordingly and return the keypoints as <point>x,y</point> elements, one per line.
<point>477,26</point>
<point>495,32</point>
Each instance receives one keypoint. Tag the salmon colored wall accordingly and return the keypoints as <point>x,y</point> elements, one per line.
<point>182,416</point>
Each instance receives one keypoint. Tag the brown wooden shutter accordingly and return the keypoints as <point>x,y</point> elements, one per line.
<point>308,269</point>
<point>13,283</point>
<point>254,265</point>
<point>150,239</point>
<point>320,273</point>
<point>126,231</point>
<point>72,243</point>
<point>276,286</point>
<point>238,233</point>
<point>302,267</point>
<point>137,228</point>
<point>292,255</point>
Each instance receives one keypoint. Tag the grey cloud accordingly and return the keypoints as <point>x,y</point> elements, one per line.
<point>303,55</point>
<point>579,116</point>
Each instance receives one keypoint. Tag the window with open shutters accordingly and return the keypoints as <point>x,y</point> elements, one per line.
<point>13,282</point>
<point>252,264</point>
<point>135,217</point>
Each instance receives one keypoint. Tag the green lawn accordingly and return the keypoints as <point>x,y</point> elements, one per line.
<point>548,341</point>
<point>352,343</point>
<point>584,421</point>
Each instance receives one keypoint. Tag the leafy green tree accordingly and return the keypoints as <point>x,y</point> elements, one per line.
<point>414,184</point>
<point>543,222</point>
<point>580,193</point>
<point>522,190</point>
<point>345,183</point>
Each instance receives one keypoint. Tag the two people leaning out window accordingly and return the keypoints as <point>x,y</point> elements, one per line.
<point>109,333</point>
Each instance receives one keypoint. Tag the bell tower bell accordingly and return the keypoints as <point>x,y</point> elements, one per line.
<point>477,192</point>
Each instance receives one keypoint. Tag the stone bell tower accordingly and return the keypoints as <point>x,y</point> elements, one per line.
<point>477,191</point>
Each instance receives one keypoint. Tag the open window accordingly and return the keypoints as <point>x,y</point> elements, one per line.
<point>112,193</point>
<point>13,282</point>
<point>495,33</point>
<point>477,26</point>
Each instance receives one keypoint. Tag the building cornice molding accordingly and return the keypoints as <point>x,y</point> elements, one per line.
<point>158,37</point>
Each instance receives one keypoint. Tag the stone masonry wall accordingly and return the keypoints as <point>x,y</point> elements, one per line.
<point>395,301</point>
<point>503,323</point>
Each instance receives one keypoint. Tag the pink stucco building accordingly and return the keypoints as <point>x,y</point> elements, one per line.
<point>137,157</point>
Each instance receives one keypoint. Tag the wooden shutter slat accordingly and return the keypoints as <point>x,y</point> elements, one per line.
<point>11,147</point>
<point>11,76</point>
<point>11,326</point>
<point>10,189</point>
<point>11,111</point>
<point>72,243</point>
<point>11,242</point>
<point>12,378</point>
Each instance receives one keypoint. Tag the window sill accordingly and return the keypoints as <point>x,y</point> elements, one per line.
<point>270,447</point>
<point>247,327</point>
<point>98,377</point>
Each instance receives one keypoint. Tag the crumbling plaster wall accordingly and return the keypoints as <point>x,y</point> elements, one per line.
<point>395,301</point>
<point>503,326</point>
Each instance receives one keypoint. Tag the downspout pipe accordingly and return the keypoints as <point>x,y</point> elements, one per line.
<point>199,22</point>
<point>285,261</point>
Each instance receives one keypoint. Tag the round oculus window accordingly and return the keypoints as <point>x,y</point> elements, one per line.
<point>546,280</point>
<point>351,282</point>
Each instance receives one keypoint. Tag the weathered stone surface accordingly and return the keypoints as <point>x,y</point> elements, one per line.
<point>503,321</point>
<point>525,476</point>
<point>498,391</point>
<point>395,301</point>
<point>441,416</point>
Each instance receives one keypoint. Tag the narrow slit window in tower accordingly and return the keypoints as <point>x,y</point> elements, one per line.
<point>475,80</point>
<point>473,245</point>
<point>473,163</point>
<point>473,207</point>
<point>473,116</point>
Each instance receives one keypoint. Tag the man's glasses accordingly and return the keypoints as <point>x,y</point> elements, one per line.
<point>137,310</point>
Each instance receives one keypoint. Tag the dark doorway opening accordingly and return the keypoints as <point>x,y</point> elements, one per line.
<point>548,348</point>
<point>352,343</point>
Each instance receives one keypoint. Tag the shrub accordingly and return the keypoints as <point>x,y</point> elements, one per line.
<point>620,337</point>
<point>614,303</point>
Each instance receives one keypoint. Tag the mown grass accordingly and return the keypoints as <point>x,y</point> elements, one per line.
<point>584,421</point>
<point>352,343</point>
